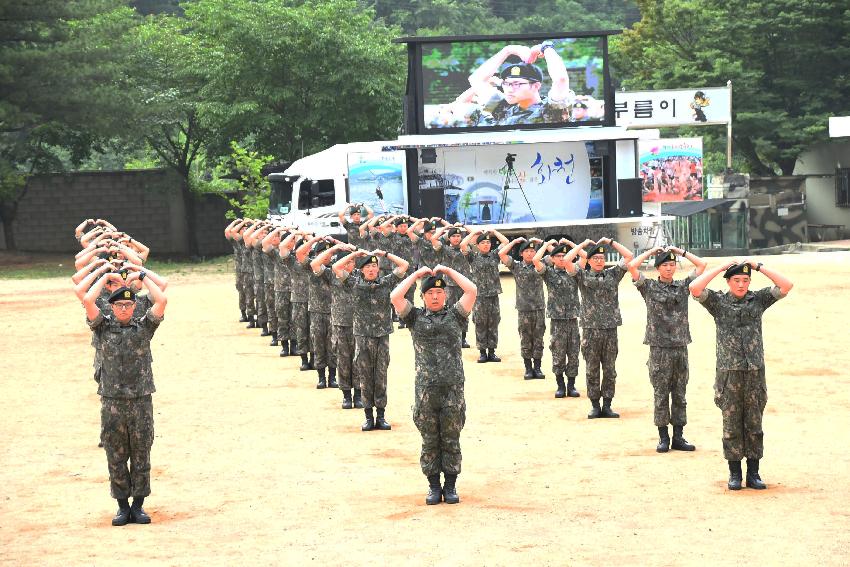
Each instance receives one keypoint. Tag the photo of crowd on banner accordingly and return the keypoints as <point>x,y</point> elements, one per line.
<point>671,171</point>
<point>487,84</point>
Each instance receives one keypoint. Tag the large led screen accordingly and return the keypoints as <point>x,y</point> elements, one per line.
<point>515,83</point>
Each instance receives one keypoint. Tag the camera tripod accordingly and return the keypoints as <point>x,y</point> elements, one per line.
<point>510,171</point>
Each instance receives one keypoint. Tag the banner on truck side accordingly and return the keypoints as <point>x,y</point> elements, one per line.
<point>550,182</point>
<point>671,170</point>
<point>677,107</point>
<point>378,179</point>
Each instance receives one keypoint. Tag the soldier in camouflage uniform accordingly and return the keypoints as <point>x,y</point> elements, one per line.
<point>668,335</point>
<point>342,321</point>
<point>237,264</point>
<point>260,277</point>
<point>299,270</point>
<point>246,269</point>
<point>450,255</point>
<point>372,328</point>
<point>562,308</point>
<point>530,303</point>
<point>400,243</point>
<point>424,241</point>
<point>600,317</point>
<point>319,308</point>
<point>351,218</point>
<point>440,408</point>
<point>282,294</point>
<point>484,273</point>
<point>125,386</point>
<point>268,252</point>
<point>740,388</point>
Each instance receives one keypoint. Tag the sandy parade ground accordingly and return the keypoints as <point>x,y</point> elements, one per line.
<point>253,466</point>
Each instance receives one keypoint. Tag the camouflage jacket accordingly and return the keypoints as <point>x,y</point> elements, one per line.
<point>562,300</point>
<point>282,276</point>
<point>319,296</point>
<point>342,308</point>
<point>143,303</point>
<point>739,338</point>
<point>244,264</point>
<point>237,255</point>
<point>352,230</point>
<point>372,315</point>
<point>268,265</point>
<point>402,246</point>
<point>125,370</point>
<point>428,256</point>
<point>300,273</point>
<point>484,272</point>
<point>257,264</point>
<point>452,257</point>
<point>666,311</point>
<point>529,286</point>
<point>436,343</point>
<point>600,299</point>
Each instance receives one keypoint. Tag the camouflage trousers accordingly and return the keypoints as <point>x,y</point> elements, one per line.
<point>453,295</point>
<point>741,395</point>
<point>321,339</point>
<point>283,313</point>
<point>486,317</point>
<point>240,289</point>
<point>439,413</point>
<point>270,307</point>
<point>126,431</point>
<point>532,327</point>
<point>564,342</point>
<point>247,280</point>
<point>260,299</point>
<point>371,360</point>
<point>300,330</point>
<point>343,347</point>
<point>599,347</point>
<point>668,374</point>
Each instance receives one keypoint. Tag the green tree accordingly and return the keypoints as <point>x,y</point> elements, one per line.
<point>61,88</point>
<point>788,60</point>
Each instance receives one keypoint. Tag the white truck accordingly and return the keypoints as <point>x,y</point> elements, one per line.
<point>579,182</point>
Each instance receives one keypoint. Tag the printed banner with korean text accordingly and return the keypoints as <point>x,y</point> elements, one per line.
<point>679,107</point>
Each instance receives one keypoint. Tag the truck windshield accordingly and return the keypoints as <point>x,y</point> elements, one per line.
<point>280,200</point>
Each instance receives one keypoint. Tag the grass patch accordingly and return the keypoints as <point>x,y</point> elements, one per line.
<point>24,266</point>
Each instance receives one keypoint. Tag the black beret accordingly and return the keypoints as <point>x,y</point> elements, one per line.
<point>370,259</point>
<point>452,231</point>
<point>122,294</point>
<point>433,281</point>
<point>320,246</point>
<point>597,250</point>
<point>400,220</point>
<point>743,269</point>
<point>427,226</point>
<point>560,249</point>
<point>124,274</point>
<point>522,71</point>
<point>526,245</point>
<point>482,236</point>
<point>666,256</point>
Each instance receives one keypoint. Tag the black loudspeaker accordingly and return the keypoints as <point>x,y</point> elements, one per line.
<point>630,198</point>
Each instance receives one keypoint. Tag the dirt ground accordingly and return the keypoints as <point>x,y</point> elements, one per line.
<point>253,465</point>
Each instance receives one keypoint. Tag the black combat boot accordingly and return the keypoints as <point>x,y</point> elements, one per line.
<point>380,422</point>
<point>252,323</point>
<point>464,344</point>
<point>679,442</point>
<point>358,401</point>
<point>596,411</point>
<point>138,513</point>
<point>305,364</point>
<point>322,383</point>
<point>529,373</point>
<point>435,491</point>
<point>369,424</point>
<point>265,332</point>
<point>753,478</point>
<point>571,387</point>
<point>312,361</point>
<point>332,377</point>
<point>483,355</point>
<point>538,373</point>
<point>274,340</point>
<point>663,439</point>
<point>284,347</point>
<point>122,516</point>
<point>346,399</point>
<point>606,409</point>
<point>244,318</point>
<point>491,356</point>
<point>561,392</point>
<point>449,490</point>
<point>293,347</point>
<point>735,475</point>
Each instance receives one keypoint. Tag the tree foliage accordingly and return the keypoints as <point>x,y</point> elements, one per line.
<point>788,60</point>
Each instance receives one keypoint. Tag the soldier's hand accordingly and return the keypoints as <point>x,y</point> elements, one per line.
<point>603,241</point>
<point>657,250</point>
<point>439,268</point>
<point>424,271</point>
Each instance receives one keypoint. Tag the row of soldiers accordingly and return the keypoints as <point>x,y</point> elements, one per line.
<point>124,303</point>
<point>582,306</point>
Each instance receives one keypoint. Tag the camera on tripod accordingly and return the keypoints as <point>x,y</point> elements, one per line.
<point>509,160</point>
